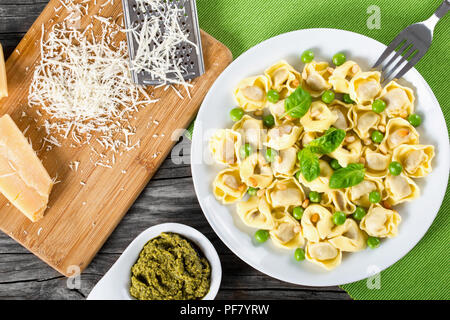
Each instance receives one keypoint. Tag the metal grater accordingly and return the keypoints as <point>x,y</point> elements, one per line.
<point>192,61</point>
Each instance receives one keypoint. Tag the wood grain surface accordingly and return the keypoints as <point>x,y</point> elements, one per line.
<point>88,203</point>
<point>169,197</point>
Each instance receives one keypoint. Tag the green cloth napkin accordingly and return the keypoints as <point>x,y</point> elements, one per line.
<point>424,273</point>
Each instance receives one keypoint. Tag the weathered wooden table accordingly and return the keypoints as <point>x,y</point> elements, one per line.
<point>169,197</point>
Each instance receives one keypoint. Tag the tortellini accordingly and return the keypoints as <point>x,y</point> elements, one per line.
<point>265,162</point>
<point>343,113</point>
<point>348,237</point>
<point>376,163</point>
<point>283,78</point>
<point>400,189</point>
<point>251,93</point>
<point>359,194</point>
<point>316,223</point>
<point>283,136</point>
<point>256,213</point>
<point>340,79</point>
<point>228,186</point>
<point>324,254</point>
<point>287,232</point>
<point>399,100</point>
<point>285,163</point>
<point>365,87</point>
<point>256,172</point>
<point>398,132</point>
<point>415,159</point>
<point>318,118</point>
<point>380,222</point>
<point>286,194</point>
<point>366,121</point>
<point>339,201</point>
<point>251,131</point>
<point>349,151</point>
<point>316,77</point>
<point>277,110</point>
<point>224,146</point>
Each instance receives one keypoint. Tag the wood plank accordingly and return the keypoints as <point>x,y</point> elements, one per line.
<point>35,281</point>
<point>70,233</point>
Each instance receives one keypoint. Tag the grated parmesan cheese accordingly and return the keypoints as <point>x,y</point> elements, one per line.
<point>83,84</point>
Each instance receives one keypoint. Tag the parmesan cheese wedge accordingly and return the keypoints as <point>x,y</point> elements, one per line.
<point>23,179</point>
<point>3,83</point>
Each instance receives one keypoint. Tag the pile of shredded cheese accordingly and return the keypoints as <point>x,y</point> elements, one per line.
<point>159,36</point>
<point>83,84</point>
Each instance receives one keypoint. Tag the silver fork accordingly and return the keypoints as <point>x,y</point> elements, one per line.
<point>412,43</point>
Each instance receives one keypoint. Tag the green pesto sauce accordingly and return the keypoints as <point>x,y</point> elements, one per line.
<point>169,268</point>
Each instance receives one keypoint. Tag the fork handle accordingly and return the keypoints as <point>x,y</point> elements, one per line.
<point>443,9</point>
<point>438,14</point>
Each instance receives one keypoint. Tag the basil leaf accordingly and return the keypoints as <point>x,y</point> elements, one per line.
<point>329,142</point>
<point>309,164</point>
<point>346,177</point>
<point>298,103</point>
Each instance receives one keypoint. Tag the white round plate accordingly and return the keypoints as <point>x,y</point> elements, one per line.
<point>417,216</point>
<point>115,284</point>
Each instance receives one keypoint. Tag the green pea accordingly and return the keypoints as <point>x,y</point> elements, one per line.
<point>415,119</point>
<point>236,114</point>
<point>339,218</point>
<point>307,56</point>
<point>347,99</point>
<point>270,155</point>
<point>252,191</point>
<point>262,236</point>
<point>297,175</point>
<point>378,106</point>
<point>377,136</point>
<point>299,254</point>
<point>359,213</point>
<point>298,212</point>
<point>374,197</point>
<point>328,96</point>
<point>246,150</point>
<point>395,168</point>
<point>314,196</point>
<point>335,164</point>
<point>339,58</point>
<point>373,242</point>
<point>273,96</point>
<point>269,121</point>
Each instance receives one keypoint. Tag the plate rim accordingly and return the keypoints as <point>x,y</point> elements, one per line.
<point>248,52</point>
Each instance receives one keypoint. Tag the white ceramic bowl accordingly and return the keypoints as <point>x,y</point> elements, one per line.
<point>115,283</point>
<point>417,216</point>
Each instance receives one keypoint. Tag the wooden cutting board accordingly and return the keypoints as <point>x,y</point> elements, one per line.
<point>81,217</point>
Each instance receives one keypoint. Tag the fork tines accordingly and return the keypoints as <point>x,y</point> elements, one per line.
<point>404,52</point>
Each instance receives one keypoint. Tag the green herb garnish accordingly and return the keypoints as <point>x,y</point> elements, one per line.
<point>329,142</point>
<point>309,161</point>
<point>309,164</point>
<point>346,177</point>
<point>298,103</point>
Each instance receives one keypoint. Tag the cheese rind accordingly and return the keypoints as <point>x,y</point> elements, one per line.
<point>23,179</point>
<point>3,82</point>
